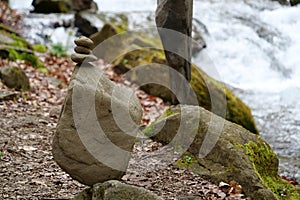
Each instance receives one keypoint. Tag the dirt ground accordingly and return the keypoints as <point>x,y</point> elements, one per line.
<point>27,126</point>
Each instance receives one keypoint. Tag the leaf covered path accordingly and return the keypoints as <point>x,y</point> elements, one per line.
<point>27,126</point>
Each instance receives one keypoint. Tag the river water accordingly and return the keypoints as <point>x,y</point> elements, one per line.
<point>254,45</point>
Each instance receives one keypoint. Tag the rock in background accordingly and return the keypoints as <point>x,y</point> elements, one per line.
<point>80,5</point>
<point>51,6</point>
<point>115,190</point>
<point>294,2</point>
<point>237,154</point>
<point>14,77</point>
<point>69,144</point>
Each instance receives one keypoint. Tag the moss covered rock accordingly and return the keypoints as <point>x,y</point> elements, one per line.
<point>14,77</point>
<point>14,47</point>
<point>236,110</point>
<point>237,154</point>
<point>203,85</point>
<point>143,50</point>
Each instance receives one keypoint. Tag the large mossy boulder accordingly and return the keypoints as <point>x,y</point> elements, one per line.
<point>14,47</point>
<point>14,77</point>
<point>236,110</point>
<point>51,6</point>
<point>230,152</point>
<point>115,190</point>
<point>141,49</point>
<point>203,85</point>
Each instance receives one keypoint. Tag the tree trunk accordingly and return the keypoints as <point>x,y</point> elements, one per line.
<point>176,15</point>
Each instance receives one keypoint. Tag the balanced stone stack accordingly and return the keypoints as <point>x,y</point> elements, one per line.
<point>97,127</point>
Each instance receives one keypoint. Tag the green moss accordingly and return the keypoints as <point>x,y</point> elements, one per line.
<point>149,130</point>
<point>236,110</point>
<point>64,7</point>
<point>58,50</point>
<point>19,49</point>
<point>167,113</point>
<point>119,21</point>
<point>17,55</point>
<point>186,160</point>
<point>263,158</point>
<point>39,48</point>
<point>43,70</point>
<point>19,42</point>
<point>150,41</point>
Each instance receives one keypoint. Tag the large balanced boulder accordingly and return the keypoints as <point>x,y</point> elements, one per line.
<point>115,190</point>
<point>222,151</point>
<point>97,127</point>
<point>14,77</point>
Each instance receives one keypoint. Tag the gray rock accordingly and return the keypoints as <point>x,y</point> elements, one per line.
<point>115,190</point>
<point>80,5</point>
<point>14,77</point>
<point>85,27</point>
<point>294,2</point>
<point>6,96</point>
<point>221,150</point>
<point>89,143</point>
<point>51,6</point>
